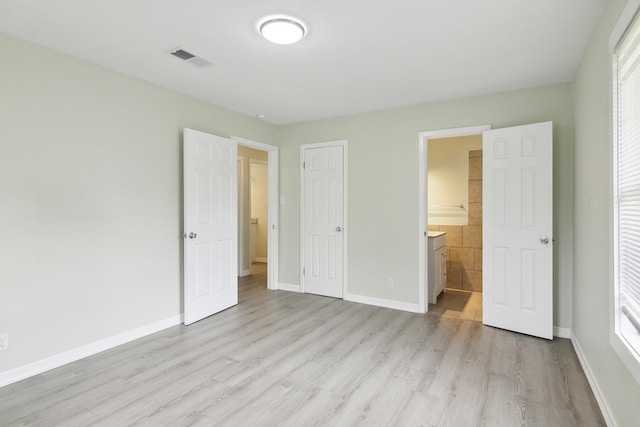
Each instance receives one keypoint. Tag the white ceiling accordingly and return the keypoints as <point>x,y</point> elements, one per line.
<point>358,55</point>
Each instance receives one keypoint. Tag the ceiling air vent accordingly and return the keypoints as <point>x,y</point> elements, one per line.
<point>190,57</point>
<point>183,54</point>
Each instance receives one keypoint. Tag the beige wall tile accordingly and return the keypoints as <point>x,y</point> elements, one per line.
<point>475,213</point>
<point>472,281</point>
<point>454,278</point>
<point>448,249</point>
<point>478,259</point>
<point>475,190</point>
<point>462,258</point>
<point>475,153</point>
<point>475,168</point>
<point>454,235</point>
<point>433,227</point>
<point>471,236</point>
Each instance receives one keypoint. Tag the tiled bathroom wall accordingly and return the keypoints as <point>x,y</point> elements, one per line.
<point>464,242</point>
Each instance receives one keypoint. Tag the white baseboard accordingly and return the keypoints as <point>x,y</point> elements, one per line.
<point>245,273</point>
<point>379,302</point>
<point>260,259</point>
<point>289,287</point>
<point>561,332</point>
<point>55,361</point>
<point>602,402</point>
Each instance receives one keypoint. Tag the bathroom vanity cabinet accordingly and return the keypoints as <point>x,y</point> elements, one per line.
<point>437,261</point>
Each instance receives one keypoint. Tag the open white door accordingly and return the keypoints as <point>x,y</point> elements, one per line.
<point>210,225</point>
<point>517,229</point>
<point>323,216</point>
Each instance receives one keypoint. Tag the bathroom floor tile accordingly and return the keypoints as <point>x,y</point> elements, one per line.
<point>458,304</point>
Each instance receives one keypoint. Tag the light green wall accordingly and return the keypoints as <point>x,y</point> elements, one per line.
<point>383,185</point>
<point>592,273</point>
<point>90,199</point>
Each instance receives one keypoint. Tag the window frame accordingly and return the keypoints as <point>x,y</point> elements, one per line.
<point>629,354</point>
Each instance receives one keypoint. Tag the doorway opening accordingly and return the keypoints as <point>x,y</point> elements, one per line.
<point>211,175</point>
<point>516,235</point>
<point>257,212</point>
<point>447,261</point>
<point>253,210</point>
<point>454,226</point>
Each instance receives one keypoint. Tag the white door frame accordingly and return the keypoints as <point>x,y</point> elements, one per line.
<point>423,209</point>
<point>241,272</point>
<point>345,227</point>
<point>273,254</point>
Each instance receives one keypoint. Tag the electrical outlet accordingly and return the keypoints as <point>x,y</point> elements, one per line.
<point>4,341</point>
<point>390,283</point>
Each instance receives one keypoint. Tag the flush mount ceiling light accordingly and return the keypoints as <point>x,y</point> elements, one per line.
<point>282,30</point>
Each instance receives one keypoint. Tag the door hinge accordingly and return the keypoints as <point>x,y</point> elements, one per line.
<point>304,271</point>
<point>304,165</point>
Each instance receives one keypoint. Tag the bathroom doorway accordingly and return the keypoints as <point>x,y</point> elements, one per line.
<point>454,224</point>
<point>517,259</point>
<point>451,215</point>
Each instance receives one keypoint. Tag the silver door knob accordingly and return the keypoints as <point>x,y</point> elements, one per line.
<point>192,235</point>
<point>338,229</point>
<point>544,240</point>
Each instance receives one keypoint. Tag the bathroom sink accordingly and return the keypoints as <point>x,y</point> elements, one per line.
<point>435,233</point>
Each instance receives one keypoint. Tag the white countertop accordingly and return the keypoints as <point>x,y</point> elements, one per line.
<point>436,233</point>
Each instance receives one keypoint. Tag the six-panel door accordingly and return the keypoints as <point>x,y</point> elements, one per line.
<point>518,229</point>
<point>210,225</point>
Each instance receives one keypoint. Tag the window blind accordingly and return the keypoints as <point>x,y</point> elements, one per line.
<point>627,176</point>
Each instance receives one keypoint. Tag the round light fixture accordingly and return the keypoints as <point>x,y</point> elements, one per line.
<point>282,30</point>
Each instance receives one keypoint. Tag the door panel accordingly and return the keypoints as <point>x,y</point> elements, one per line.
<point>210,225</point>
<point>323,213</point>
<point>518,215</point>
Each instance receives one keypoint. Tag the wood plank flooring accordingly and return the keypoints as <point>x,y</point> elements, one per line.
<point>281,358</point>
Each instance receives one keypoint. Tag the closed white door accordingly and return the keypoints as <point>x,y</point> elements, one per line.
<point>323,211</point>
<point>518,229</point>
<point>210,225</point>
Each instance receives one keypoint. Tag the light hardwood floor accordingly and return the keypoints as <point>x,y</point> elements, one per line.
<point>281,358</point>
